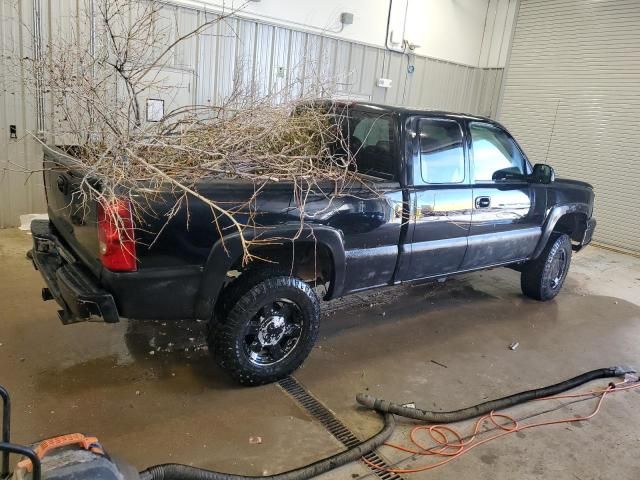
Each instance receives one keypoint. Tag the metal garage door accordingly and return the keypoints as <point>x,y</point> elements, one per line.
<point>572,98</point>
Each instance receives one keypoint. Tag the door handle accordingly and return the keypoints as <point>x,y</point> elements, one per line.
<point>483,202</point>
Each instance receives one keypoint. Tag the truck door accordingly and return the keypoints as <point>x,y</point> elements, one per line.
<point>371,219</point>
<point>439,198</point>
<point>507,217</point>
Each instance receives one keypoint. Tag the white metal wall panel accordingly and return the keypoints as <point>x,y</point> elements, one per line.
<point>572,97</point>
<point>20,191</point>
<point>203,70</point>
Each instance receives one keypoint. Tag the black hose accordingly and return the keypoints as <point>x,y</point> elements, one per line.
<point>6,429</point>
<point>385,406</point>
<point>173,471</point>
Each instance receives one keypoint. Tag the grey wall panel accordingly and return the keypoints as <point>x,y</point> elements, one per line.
<point>571,97</point>
<point>260,58</point>
<point>20,191</point>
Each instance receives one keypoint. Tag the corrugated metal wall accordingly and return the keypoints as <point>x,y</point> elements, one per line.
<point>20,191</point>
<point>571,97</point>
<point>202,71</point>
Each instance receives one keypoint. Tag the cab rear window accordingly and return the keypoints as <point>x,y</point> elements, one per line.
<point>370,138</point>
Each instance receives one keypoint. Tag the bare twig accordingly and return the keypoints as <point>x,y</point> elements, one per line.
<point>95,86</point>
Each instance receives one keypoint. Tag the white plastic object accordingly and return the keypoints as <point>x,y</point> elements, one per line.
<point>25,220</point>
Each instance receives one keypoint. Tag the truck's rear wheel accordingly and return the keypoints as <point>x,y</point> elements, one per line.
<point>542,278</point>
<point>267,331</point>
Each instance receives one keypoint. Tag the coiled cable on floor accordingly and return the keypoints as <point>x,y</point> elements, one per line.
<point>384,406</point>
<point>173,471</point>
<point>448,443</point>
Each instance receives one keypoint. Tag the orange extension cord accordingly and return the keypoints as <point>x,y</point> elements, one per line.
<point>454,448</point>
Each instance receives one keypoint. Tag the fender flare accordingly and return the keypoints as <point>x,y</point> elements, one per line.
<point>554,215</point>
<point>227,251</point>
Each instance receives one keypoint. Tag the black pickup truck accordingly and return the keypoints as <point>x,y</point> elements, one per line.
<point>455,193</point>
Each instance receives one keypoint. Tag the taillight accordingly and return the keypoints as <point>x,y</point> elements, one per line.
<point>115,235</point>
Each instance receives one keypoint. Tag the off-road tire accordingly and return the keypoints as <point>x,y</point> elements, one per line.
<point>539,279</point>
<point>252,276</point>
<point>232,292</point>
<point>243,301</point>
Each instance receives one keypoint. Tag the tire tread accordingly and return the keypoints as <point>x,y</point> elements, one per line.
<point>534,273</point>
<point>224,333</point>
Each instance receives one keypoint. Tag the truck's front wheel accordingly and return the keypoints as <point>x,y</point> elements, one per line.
<point>543,277</point>
<point>268,330</point>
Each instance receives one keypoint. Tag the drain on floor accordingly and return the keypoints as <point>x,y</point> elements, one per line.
<point>334,426</point>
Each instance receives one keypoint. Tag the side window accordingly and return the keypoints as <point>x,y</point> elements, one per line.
<point>371,141</point>
<point>495,154</point>
<point>441,151</point>
<point>373,131</point>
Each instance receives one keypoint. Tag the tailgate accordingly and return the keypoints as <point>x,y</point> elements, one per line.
<point>70,210</point>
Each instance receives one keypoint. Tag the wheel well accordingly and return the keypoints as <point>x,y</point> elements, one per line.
<point>309,261</point>
<point>573,224</point>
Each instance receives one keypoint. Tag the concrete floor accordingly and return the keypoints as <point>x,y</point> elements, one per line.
<point>150,392</point>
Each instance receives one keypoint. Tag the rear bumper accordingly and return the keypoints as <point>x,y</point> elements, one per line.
<point>74,288</point>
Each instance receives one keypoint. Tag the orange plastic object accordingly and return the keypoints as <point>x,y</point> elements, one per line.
<point>46,446</point>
